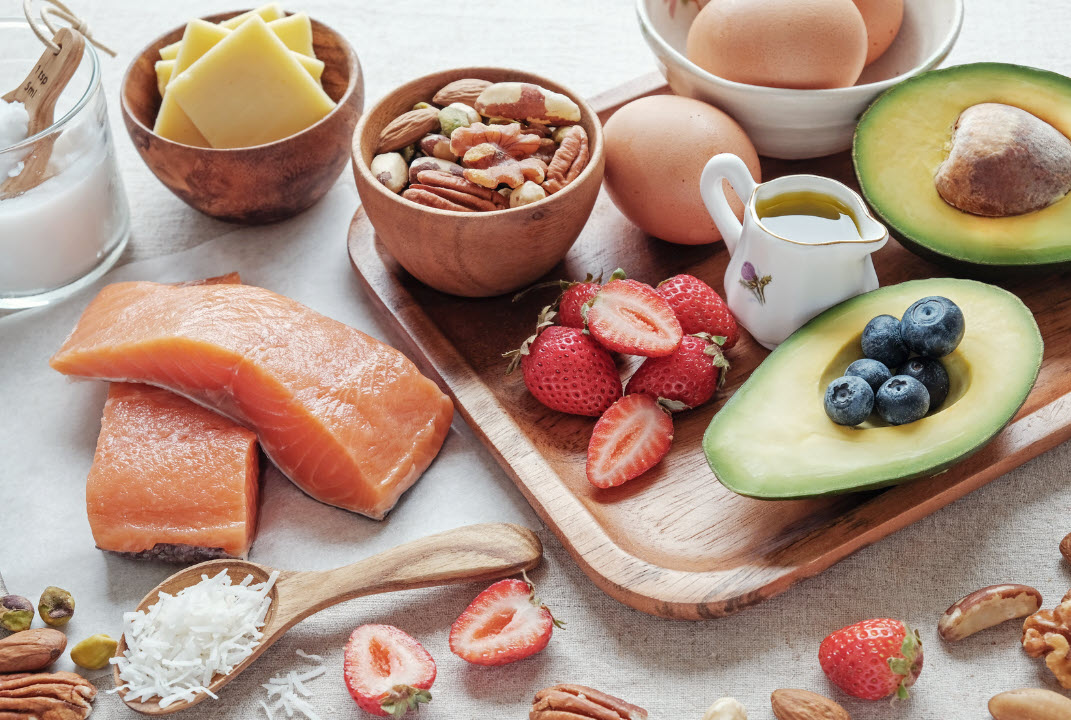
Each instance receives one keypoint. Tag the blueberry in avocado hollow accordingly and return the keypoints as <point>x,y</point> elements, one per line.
<point>882,342</point>
<point>932,327</point>
<point>901,400</point>
<point>931,373</point>
<point>874,372</point>
<point>849,400</point>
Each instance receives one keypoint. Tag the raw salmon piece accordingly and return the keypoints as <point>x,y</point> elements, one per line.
<point>170,479</point>
<point>350,420</point>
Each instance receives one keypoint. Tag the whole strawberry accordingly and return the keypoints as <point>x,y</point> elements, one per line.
<point>873,659</point>
<point>699,308</point>
<point>572,302</point>
<point>567,370</point>
<point>686,379</point>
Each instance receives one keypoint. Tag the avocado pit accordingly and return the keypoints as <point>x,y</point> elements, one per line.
<point>1004,161</point>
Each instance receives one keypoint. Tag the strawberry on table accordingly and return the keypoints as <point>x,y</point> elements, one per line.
<point>628,316</point>
<point>873,659</point>
<point>699,308</point>
<point>686,379</point>
<point>387,671</point>
<point>628,440</point>
<point>504,624</point>
<point>566,370</point>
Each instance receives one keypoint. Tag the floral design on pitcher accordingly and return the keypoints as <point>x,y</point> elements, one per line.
<point>749,278</point>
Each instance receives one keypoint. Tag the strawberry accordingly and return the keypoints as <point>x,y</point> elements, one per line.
<point>687,378</point>
<point>566,370</point>
<point>873,659</point>
<point>699,308</point>
<point>387,671</point>
<point>573,300</point>
<point>504,624</point>
<point>628,440</point>
<point>628,316</point>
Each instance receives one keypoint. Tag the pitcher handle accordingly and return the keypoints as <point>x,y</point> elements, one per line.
<point>726,166</point>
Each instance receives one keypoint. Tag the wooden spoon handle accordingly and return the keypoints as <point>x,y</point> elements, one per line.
<point>466,554</point>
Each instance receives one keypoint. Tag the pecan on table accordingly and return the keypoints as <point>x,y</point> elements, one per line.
<point>46,696</point>
<point>576,702</point>
<point>1047,634</point>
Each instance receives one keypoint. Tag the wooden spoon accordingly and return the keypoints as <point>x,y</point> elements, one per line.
<point>39,93</point>
<point>476,552</point>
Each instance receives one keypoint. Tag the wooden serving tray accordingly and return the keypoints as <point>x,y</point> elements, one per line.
<point>675,542</point>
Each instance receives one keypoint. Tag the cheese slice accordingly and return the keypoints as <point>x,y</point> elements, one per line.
<point>199,38</point>
<point>172,123</point>
<point>296,32</point>
<point>249,90</point>
<point>312,65</point>
<point>164,69</point>
<point>270,12</point>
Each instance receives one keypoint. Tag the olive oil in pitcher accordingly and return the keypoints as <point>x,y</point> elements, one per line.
<point>808,217</point>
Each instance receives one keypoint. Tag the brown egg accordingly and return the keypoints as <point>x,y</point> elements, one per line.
<point>882,19</point>
<point>656,148</point>
<point>803,44</point>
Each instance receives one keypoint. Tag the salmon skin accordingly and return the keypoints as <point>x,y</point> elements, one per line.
<point>171,480</point>
<point>349,420</point>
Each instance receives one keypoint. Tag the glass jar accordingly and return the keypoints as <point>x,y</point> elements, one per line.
<point>66,232</point>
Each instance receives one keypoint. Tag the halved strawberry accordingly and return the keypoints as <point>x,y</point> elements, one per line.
<point>628,316</point>
<point>387,671</point>
<point>687,378</point>
<point>699,308</point>
<point>628,440</point>
<point>504,624</point>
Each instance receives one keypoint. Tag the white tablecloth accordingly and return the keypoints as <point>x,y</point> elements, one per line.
<point>1006,532</point>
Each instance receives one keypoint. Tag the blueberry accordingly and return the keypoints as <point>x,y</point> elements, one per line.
<point>931,373</point>
<point>874,372</point>
<point>933,326</point>
<point>881,341</point>
<point>849,400</point>
<point>902,399</point>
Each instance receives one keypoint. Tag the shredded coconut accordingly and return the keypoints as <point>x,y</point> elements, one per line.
<point>289,691</point>
<point>175,647</point>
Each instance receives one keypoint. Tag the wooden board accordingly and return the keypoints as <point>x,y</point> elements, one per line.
<point>675,542</point>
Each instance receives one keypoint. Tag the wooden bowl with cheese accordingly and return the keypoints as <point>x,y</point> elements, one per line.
<point>269,179</point>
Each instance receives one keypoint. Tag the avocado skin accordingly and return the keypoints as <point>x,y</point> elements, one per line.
<point>963,263</point>
<point>877,476</point>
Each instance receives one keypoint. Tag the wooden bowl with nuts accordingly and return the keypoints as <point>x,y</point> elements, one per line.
<point>261,183</point>
<point>478,180</point>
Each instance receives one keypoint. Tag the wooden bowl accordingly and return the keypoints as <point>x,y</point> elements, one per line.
<point>476,254</point>
<point>258,184</point>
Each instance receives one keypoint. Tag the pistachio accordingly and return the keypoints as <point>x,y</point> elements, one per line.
<point>94,652</point>
<point>456,115</point>
<point>423,106</point>
<point>56,606</point>
<point>408,152</point>
<point>16,613</point>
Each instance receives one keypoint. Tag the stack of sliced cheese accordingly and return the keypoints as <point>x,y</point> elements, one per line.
<point>249,80</point>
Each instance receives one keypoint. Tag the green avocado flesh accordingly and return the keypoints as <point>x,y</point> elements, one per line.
<point>905,135</point>
<point>773,439</point>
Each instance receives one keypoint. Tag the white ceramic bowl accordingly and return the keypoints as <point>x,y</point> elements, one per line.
<point>794,124</point>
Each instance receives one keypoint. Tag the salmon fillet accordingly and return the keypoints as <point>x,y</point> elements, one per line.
<point>349,420</point>
<point>171,480</point>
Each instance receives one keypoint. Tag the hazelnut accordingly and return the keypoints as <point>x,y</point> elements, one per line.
<point>16,613</point>
<point>987,608</point>
<point>526,194</point>
<point>391,170</point>
<point>1065,548</point>
<point>437,146</point>
<point>56,606</point>
<point>726,709</point>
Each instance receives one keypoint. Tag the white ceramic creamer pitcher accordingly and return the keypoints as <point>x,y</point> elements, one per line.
<point>774,285</point>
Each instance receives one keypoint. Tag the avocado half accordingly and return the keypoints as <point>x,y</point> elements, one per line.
<point>773,440</point>
<point>905,135</point>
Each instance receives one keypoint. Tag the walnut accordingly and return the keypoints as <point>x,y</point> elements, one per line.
<point>46,696</point>
<point>1047,633</point>
<point>497,154</point>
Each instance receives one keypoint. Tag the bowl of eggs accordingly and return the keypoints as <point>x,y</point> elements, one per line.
<point>796,74</point>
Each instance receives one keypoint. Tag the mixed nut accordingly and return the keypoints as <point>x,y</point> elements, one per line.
<point>577,702</point>
<point>480,146</point>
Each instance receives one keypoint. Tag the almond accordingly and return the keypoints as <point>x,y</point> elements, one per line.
<point>805,705</point>
<point>1030,704</point>
<point>465,91</point>
<point>407,128</point>
<point>31,650</point>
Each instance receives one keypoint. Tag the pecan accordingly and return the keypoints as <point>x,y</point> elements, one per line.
<point>528,102</point>
<point>1047,634</point>
<point>465,91</point>
<point>547,148</point>
<point>569,160</point>
<point>459,191</point>
<point>576,702</point>
<point>407,128</point>
<point>31,650</point>
<point>986,608</point>
<point>46,696</point>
